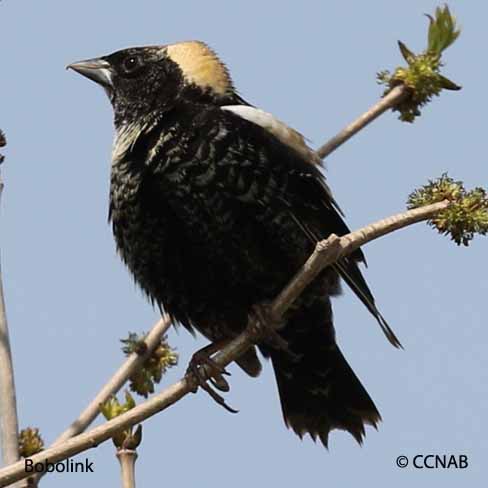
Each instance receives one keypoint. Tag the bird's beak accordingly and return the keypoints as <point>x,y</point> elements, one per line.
<point>97,70</point>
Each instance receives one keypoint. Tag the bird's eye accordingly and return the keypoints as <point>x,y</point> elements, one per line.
<point>131,64</point>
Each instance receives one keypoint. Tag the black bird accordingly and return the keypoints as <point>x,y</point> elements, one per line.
<point>215,205</point>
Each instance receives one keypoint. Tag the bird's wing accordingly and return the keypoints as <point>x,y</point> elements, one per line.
<point>279,129</point>
<point>284,133</point>
<point>306,192</point>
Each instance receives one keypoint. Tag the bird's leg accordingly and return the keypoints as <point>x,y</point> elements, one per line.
<point>216,372</point>
<point>265,328</point>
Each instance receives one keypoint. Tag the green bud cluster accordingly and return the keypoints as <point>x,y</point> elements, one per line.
<point>422,75</point>
<point>163,357</point>
<point>467,214</point>
<point>127,438</point>
<point>30,442</point>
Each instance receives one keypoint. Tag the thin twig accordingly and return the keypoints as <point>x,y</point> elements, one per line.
<point>127,459</point>
<point>8,403</point>
<point>133,362</point>
<point>326,253</point>
<point>393,98</point>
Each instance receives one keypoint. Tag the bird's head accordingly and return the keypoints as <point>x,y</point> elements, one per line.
<point>140,80</point>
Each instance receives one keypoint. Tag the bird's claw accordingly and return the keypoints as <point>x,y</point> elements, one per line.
<point>216,375</point>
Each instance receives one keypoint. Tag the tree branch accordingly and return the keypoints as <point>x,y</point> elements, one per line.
<point>8,404</point>
<point>127,459</point>
<point>116,382</point>
<point>393,98</point>
<point>326,252</point>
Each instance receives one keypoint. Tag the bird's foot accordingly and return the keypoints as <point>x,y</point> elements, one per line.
<point>265,328</point>
<point>202,362</point>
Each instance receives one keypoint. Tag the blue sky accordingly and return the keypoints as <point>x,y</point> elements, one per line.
<point>313,65</point>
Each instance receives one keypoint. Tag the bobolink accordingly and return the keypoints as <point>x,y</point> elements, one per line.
<point>215,205</point>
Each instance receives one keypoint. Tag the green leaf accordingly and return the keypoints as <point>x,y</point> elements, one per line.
<point>443,30</point>
<point>408,55</point>
<point>129,401</point>
<point>448,84</point>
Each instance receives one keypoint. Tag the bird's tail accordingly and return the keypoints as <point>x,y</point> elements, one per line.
<point>318,389</point>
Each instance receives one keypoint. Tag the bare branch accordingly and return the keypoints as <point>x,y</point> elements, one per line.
<point>127,459</point>
<point>393,98</point>
<point>326,253</point>
<point>114,384</point>
<point>8,404</point>
<point>118,380</point>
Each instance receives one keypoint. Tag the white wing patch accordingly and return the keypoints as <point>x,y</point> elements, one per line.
<point>279,129</point>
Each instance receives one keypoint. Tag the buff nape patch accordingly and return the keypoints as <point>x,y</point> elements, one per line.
<point>201,66</point>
